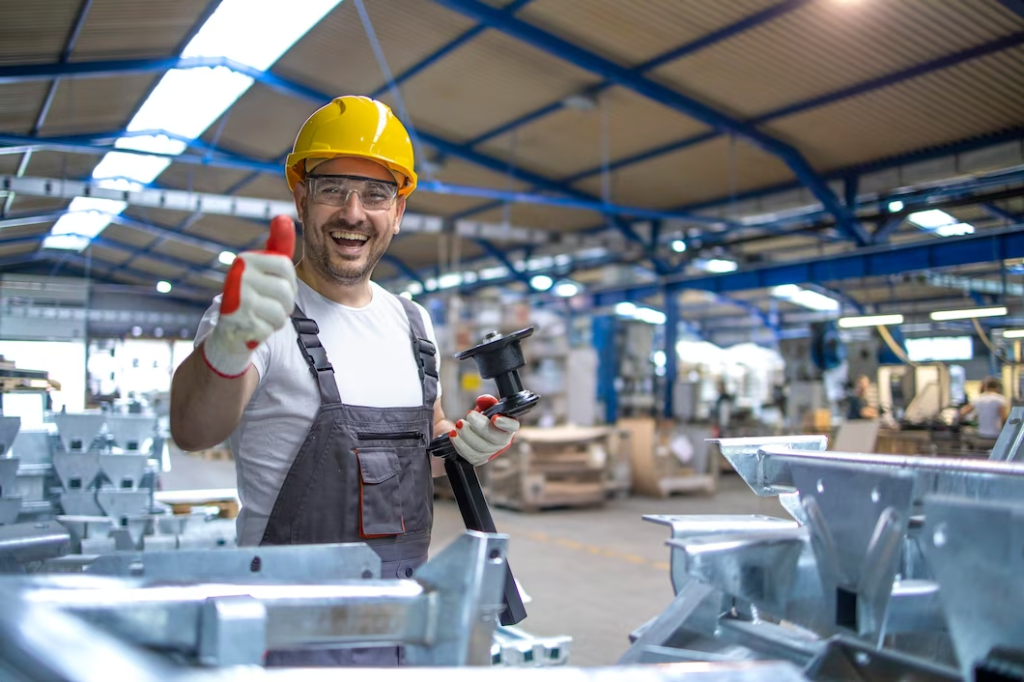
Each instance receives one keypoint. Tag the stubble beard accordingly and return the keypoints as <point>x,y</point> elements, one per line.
<point>337,267</point>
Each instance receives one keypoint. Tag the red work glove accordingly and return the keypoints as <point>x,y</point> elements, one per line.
<point>259,297</point>
<point>479,438</point>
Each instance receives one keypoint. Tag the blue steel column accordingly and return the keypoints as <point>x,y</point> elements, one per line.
<point>671,337</point>
<point>603,330</point>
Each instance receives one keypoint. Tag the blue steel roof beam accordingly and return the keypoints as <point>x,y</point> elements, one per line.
<point>497,254</point>
<point>622,76</point>
<point>401,266</point>
<point>1015,6</point>
<point>887,228</point>
<point>999,45</point>
<point>44,110</point>
<point>446,49</point>
<point>980,247</point>
<point>1001,213</point>
<point>696,45</point>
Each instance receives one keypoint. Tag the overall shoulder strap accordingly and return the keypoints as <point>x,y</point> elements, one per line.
<point>423,350</point>
<point>316,357</point>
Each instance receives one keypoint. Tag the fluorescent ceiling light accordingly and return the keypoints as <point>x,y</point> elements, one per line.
<point>406,294</point>
<point>185,102</point>
<point>955,230</point>
<point>226,257</point>
<point>869,321</point>
<point>806,298</point>
<point>650,316</point>
<point>493,273</point>
<point>679,246</point>
<point>414,288</point>
<point>967,314</point>
<point>1013,334</point>
<point>449,280</point>
<point>163,286</point>
<point>895,206</point>
<point>717,265</point>
<point>941,223</point>
<point>566,289</point>
<point>659,358</point>
<point>563,259</point>
<point>625,308</point>
<point>541,282</point>
<point>469,277</point>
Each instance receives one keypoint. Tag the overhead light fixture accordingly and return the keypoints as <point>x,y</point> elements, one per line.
<point>566,289</point>
<point>968,313</point>
<point>226,257</point>
<point>941,223</point>
<point>626,309</point>
<point>679,246</point>
<point>449,280</point>
<point>1013,334</point>
<point>163,286</point>
<point>869,321</point>
<point>895,206</point>
<point>414,288</point>
<point>541,282</point>
<point>806,298</point>
<point>717,265</point>
<point>185,102</point>
<point>650,316</point>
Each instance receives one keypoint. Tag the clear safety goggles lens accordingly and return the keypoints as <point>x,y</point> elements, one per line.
<point>334,190</point>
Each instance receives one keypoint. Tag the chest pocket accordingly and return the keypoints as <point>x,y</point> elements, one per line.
<point>380,492</point>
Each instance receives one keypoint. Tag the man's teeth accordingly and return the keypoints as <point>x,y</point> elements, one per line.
<point>349,235</point>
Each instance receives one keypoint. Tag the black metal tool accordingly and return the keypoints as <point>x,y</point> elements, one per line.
<point>499,358</point>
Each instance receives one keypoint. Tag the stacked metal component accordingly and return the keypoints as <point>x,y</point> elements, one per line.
<point>891,567</point>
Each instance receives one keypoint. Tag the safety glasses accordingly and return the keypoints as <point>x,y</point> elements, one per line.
<point>334,190</point>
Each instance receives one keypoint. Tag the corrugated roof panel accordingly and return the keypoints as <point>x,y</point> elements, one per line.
<point>569,140</point>
<point>35,32</point>
<point>200,178</point>
<point>187,252</point>
<point>20,104</point>
<point>711,169</point>
<point>24,203</point>
<point>127,236</point>
<point>126,29</point>
<point>489,81</point>
<point>227,230</point>
<point>977,97</point>
<point>335,56</point>
<point>157,267</point>
<point>267,186</point>
<point>17,231</point>
<point>160,217</point>
<point>551,218</point>
<point>204,282</point>
<point>263,123</point>
<point>634,32</point>
<point>826,46</point>
<point>96,104</point>
<point>60,165</point>
<point>442,204</point>
<point>109,255</point>
<point>8,251</point>
<point>416,250</point>
<point>455,171</point>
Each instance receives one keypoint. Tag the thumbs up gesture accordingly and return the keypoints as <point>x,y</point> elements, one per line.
<point>259,297</point>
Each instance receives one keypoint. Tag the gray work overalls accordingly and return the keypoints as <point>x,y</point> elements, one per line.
<point>361,475</point>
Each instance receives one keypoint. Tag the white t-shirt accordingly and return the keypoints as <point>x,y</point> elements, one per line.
<point>371,352</point>
<point>989,407</point>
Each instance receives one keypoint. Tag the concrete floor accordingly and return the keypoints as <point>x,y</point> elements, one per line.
<point>595,574</point>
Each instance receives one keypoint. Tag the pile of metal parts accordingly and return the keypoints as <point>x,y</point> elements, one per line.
<point>891,567</point>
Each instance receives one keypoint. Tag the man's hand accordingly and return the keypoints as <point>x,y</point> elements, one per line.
<point>480,439</point>
<point>259,297</point>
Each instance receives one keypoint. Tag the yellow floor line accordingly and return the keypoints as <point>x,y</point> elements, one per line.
<point>574,545</point>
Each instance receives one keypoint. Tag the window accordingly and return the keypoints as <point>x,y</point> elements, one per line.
<point>940,348</point>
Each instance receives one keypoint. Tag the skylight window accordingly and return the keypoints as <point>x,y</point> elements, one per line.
<point>811,300</point>
<point>941,223</point>
<point>186,102</point>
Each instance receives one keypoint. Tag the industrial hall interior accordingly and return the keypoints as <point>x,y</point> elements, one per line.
<point>592,340</point>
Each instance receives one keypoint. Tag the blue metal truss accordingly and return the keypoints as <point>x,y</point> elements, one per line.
<point>1015,6</point>
<point>744,24</point>
<point>401,266</point>
<point>624,77</point>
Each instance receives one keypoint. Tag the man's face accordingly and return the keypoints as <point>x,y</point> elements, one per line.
<point>330,233</point>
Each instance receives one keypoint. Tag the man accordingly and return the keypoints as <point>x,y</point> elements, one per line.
<point>858,407</point>
<point>991,407</point>
<point>329,416</point>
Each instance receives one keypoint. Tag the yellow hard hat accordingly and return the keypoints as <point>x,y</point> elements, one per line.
<point>354,126</point>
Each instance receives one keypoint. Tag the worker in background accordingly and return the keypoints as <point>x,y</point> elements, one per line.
<point>325,385</point>
<point>991,407</point>
<point>858,407</point>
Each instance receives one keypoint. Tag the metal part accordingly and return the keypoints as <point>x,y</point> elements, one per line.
<point>33,446</point>
<point>9,427</point>
<point>321,564</point>
<point>131,431</point>
<point>10,507</point>
<point>80,503</point>
<point>976,549</point>
<point>21,543</point>
<point>8,475</point>
<point>848,660</point>
<point>515,647</point>
<point>124,471</point>
<point>124,504</point>
<point>78,431</point>
<point>1011,438</point>
<point>77,470</point>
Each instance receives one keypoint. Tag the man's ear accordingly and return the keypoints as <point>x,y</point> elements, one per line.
<point>299,195</point>
<point>399,212</point>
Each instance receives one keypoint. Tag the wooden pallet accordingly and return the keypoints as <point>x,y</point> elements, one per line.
<point>656,471</point>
